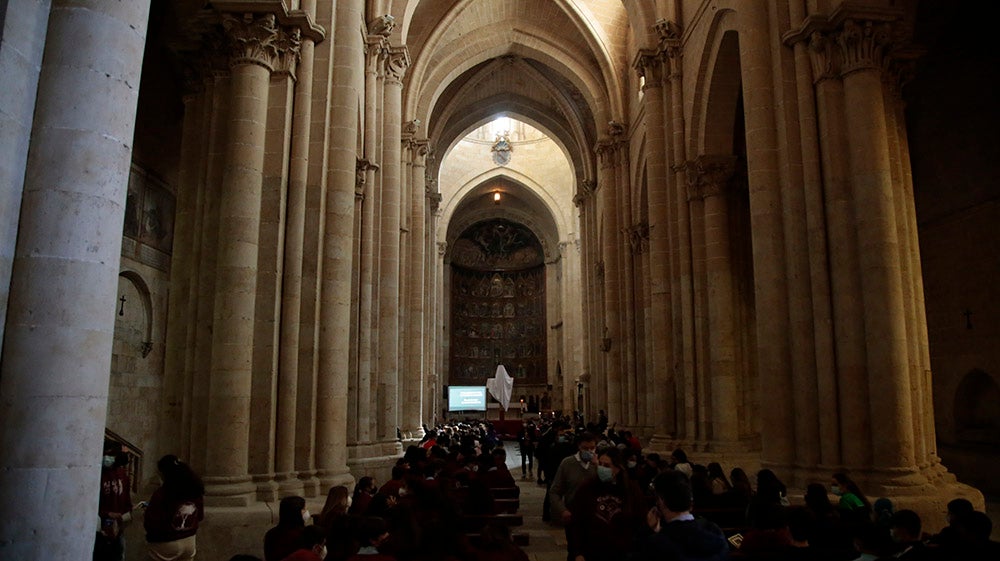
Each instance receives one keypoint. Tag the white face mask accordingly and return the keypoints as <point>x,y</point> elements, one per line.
<point>321,552</point>
<point>835,489</point>
<point>349,501</point>
<point>108,461</point>
<point>403,491</point>
<point>306,517</point>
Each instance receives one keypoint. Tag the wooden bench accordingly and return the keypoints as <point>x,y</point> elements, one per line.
<point>506,492</point>
<point>475,522</point>
<point>506,506</point>
<point>520,539</point>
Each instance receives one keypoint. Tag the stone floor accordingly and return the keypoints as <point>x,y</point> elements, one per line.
<point>547,541</point>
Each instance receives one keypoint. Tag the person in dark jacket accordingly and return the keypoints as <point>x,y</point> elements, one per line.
<point>174,512</point>
<point>606,511</point>
<point>675,534</point>
<point>283,540</point>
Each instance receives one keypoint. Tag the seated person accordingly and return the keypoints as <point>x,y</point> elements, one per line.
<point>905,531</point>
<point>372,533</point>
<point>675,533</point>
<point>312,545</point>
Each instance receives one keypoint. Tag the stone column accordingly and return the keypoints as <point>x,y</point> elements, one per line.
<point>253,43</point>
<point>415,284</point>
<point>182,307</point>
<point>770,282</point>
<point>861,44</point>
<point>388,293</point>
<point>198,363</point>
<point>23,27</point>
<point>375,45</point>
<point>335,301</point>
<point>650,65</point>
<point>679,223</point>
<point>709,180</point>
<point>607,198</point>
<point>826,433</point>
<point>291,283</point>
<point>848,330</point>
<point>60,316</point>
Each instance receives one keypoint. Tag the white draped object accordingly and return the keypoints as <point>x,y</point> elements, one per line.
<point>501,386</point>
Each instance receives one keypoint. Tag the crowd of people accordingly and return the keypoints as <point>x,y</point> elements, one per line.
<point>614,501</point>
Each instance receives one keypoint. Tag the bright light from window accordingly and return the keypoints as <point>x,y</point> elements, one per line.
<point>500,125</point>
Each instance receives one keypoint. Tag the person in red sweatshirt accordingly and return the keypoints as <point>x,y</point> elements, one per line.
<point>312,545</point>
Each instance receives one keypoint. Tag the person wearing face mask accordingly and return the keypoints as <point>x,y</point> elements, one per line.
<point>115,505</point>
<point>572,472</point>
<point>363,494</point>
<point>282,540</point>
<point>853,506</point>
<point>311,546</point>
<point>607,510</point>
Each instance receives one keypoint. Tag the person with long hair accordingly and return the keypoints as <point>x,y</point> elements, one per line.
<point>174,512</point>
<point>853,505</point>
<point>283,540</point>
<point>718,480</point>
<point>606,512</point>
<point>337,503</point>
<point>362,497</point>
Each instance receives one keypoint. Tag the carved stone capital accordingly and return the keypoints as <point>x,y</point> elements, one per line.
<point>709,176</point>
<point>863,44</point>
<point>649,64</point>
<point>289,45</point>
<point>397,60</point>
<point>824,57</point>
<point>419,148</point>
<point>433,199</point>
<point>252,39</point>
<point>360,177</point>
<point>442,248</point>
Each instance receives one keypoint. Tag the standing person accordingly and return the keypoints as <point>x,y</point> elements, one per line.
<point>606,512</point>
<point>572,472</point>
<point>283,540</point>
<point>115,505</point>
<point>526,439</point>
<point>174,511</point>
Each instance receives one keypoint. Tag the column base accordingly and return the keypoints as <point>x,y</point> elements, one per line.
<point>223,490</point>
<point>310,483</point>
<point>289,484</point>
<point>374,459</point>
<point>267,488</point>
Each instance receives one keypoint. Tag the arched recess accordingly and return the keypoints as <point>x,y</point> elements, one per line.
<point>718,138</point>
<point>522,110</point>
<point>718,89</point>
<point>146,300</point>
<point>977,409</point>
<point>521,203</point>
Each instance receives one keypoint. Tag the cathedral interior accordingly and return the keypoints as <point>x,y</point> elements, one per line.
<point>267,235</point>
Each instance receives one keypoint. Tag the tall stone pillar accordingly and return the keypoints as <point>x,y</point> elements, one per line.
<point>335,301</point>
<point>388,254</point>
<point>607,199</point>
<point>769,263</point>
<point>709,181</point>
<point>60,315</point>
<point>861,45</point>
<point>850,387</point>
<point>650,65</point>
<point>253,44</point>
<point>291,283</point>
<point>367,415</point>
<point>23,27</point>
<point>414,375</point>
